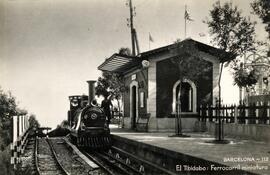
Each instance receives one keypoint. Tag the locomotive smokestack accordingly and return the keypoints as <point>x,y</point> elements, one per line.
<point>91,85</point>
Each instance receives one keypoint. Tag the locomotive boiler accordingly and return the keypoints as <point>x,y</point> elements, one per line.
<point>89,124</point>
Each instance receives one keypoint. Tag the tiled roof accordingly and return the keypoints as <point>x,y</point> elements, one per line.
<point>122,63</point>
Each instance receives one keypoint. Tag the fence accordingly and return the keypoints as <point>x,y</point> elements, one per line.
<point>20,134</point>
<point>258,113</point>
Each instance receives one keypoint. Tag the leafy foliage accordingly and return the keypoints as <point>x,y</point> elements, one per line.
<point>230,30</point>
<point>262,9</point>
<point>5,166</point>
<point>8,108</point>
<point>124,51</point>
<point>7,105</point>
<point>110,84</point>
<point>189,62</point>
<point>232,33</point>
<point>244,77</point>
<point>190,65</point>
<point>33,122</point>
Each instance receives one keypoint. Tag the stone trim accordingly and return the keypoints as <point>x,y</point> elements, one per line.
<point>152,89</point>
<point>194,89</point>
<point>152,95</point>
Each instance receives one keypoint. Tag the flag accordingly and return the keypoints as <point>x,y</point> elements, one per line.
<point>151,38</point>
<point>187,16</point>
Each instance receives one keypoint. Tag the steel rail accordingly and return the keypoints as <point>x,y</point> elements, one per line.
<point>110,163</point>
<point>98,162</point>
<point>124,164</point>
<point>36,156</point>
<point>56,159</point>
<point>115,163</point>
<point>163,170</point>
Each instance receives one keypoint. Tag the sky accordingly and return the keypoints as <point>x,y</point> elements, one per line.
<point>50,48</point>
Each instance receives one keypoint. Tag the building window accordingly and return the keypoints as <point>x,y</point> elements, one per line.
<point>142,99</point>
<point>186,92</point>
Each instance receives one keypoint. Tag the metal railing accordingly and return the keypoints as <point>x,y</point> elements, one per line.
<point>258,113</point>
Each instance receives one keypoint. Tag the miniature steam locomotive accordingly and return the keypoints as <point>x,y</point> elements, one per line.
<point>89,125</point>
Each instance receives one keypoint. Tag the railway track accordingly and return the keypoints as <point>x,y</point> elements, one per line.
<point>28,157</point>
<point>111,166</point>
<point>46,161</point>
<point>118,162</point>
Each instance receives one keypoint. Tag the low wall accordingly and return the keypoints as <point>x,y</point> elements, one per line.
<point>258,132</point>
<point>259,98</point>
<point>168,159</point>
<point>166,124</point>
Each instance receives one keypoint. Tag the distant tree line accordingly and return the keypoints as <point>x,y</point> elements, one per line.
<point>8,109</point>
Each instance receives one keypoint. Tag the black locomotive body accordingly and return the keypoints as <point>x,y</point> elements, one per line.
<point>89,125</point>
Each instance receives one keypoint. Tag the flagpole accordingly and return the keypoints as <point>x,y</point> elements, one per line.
<point>185,20</point>
<point>149,39</point>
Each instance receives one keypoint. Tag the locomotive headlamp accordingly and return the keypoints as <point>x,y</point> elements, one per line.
<point>74,102</point>
<point>94,116</point>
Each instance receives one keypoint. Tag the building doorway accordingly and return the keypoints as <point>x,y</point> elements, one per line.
<point>133,106</point>
<point>185,91</point>
<point>185,96</point>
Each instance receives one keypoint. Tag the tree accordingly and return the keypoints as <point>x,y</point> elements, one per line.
<point>7,105</point>
<point>232,33</point>
<point>124,51</point>
<point>33,122</point>
<point>244,78</point>
<point>8,108</point>
<point>262,9</point>
<point>111,83</point>
<point>188,57</point>
<point>190,65</point>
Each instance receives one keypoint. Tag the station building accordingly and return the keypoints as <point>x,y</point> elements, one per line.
<point>157,79</point>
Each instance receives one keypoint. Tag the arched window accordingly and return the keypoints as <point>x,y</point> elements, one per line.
<point>186,92</point>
